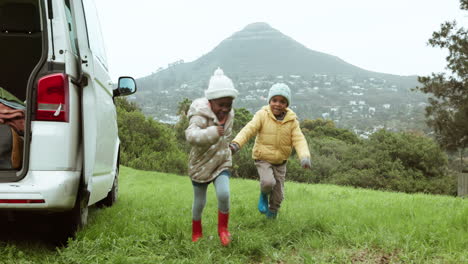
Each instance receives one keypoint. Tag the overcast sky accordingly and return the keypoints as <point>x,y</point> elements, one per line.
<point>387,36</point>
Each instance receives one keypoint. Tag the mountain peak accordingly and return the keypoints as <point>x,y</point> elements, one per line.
<point>257,26</point>
<point>257,30</point>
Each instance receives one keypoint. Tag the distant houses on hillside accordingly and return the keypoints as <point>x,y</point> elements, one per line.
<point>360,103</point>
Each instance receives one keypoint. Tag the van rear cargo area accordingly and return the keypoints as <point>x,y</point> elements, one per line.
<point>20,52</point>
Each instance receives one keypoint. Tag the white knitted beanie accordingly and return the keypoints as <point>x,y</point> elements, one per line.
<point>220,86</point>
<point>280,89</point>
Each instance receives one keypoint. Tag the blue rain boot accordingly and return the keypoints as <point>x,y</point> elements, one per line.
<point>263,203</point>
<point>271,215</point>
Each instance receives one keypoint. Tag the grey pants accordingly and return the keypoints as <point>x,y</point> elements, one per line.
<point>272,182</point>
<point>221,184</point>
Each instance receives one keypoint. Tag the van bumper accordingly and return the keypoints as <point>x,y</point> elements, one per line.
<point>57,189</point>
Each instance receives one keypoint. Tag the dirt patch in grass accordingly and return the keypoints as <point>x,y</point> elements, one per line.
<point>375,256</point>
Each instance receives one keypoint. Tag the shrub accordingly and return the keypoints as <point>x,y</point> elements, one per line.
<point>147,144</point>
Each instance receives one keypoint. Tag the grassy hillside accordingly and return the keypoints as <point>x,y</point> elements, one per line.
<point>317,224</point>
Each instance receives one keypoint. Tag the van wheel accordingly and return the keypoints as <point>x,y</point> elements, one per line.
<point>68,223</point>
<point>111,197</point>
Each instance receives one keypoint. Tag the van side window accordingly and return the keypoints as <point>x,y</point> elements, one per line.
<point>71,27</point>
<point>96,42</point>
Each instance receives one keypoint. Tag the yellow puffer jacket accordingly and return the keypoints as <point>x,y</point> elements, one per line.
<point>275,138</point>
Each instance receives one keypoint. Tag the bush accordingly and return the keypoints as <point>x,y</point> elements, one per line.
<point>243,165</point>
<point>147,144</point>
<point>404,162</point>
<point>415,151</point>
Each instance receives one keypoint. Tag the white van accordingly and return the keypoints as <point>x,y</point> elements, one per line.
<point>59,137</point>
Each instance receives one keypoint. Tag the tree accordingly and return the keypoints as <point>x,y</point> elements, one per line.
<point>447,112</point>
<point>147,144</point>
<point>326,128</point>
<point>183,107</point>
<point>182,124</point>
<point>241,118</point>
<point>124,104</point>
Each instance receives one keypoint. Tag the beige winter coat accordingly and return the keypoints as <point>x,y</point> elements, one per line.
<point>210,153</point>
<point>275,139</point>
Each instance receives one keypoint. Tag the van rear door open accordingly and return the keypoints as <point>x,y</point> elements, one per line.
<point>99,130</point>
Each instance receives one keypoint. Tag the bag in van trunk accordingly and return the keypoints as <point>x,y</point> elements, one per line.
<point>11,148</point>
<point>11,111</point>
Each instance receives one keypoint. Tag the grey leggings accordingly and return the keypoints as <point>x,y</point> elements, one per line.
<point>221,184</point>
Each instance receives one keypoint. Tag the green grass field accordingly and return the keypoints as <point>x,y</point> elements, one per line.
<point>151,223</point>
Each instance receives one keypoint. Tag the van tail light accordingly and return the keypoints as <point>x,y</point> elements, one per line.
<point>52,98</point>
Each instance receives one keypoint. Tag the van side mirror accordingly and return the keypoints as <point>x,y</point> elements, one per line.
<point>126,86</point>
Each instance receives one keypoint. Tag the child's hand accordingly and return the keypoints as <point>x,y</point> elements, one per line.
<point>234,148</point>
<point>305,163</point>
<point>221,130</point>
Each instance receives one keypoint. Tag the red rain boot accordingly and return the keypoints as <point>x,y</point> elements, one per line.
<point>197,232</point>
<point>224,235</point>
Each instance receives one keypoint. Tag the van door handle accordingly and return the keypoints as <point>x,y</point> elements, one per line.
<point>109,82</point>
